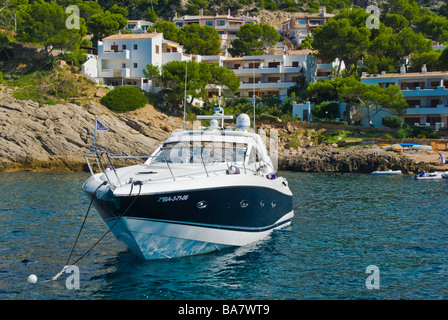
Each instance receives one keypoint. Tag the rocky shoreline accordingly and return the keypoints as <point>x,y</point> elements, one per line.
<point>37,137</point>
<point>356,159</point>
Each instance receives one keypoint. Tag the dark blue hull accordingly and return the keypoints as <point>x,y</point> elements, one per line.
<point>242,207</point>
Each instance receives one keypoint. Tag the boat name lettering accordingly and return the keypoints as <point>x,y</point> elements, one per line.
<point>173,198</point>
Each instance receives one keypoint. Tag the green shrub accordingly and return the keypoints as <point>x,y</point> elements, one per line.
<point>287,118</point>
<point>401,133</point>
<point>32,93</point>
<point>326,110</point>
<point>340,133</point>
<point>415,131</point>
<point>387,137</point>
<point>393,122</point>
<point>124,99</point>
<point>293,143</point>
<point>76,57</point>
<point>434,135</point>
<point>153,99</point>
<point>268,117</point>
<point>51,63</point>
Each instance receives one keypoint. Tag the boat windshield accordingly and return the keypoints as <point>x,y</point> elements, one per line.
<point>198,152</point>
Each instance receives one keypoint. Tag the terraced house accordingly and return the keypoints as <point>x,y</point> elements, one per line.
<point>425,92</point>
<point>226,25</point>
<point>122,57</point>
<point>300,25</point>
<point>272,74</point>
<point>266,75</point>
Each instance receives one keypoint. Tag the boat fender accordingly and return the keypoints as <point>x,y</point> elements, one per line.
<point>271,176</point>
<point>233,170</point>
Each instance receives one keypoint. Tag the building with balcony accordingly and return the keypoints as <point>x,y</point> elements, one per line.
<point>425,92</point>
<point>138,26</point>
<point>265,75</point>
<point>272,74</point>
<point>324,69</point>
<point>122,57</point>
<point>226,25</point>
<point>300,25</point>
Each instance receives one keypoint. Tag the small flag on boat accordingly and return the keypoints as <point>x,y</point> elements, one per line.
<point>99,125</point>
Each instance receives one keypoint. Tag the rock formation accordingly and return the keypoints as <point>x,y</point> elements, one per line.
<point>360,159</point>
<point>56,137</point>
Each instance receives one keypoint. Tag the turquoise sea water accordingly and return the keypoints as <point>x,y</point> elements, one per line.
<point>343,223</point>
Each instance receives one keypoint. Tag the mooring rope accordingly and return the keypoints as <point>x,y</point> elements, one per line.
<point>85,218</point>
<point>140,183</point>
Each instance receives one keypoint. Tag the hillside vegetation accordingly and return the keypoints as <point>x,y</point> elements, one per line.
<point>406,28</point>
<point>59,85</point>
<point>166,8</point>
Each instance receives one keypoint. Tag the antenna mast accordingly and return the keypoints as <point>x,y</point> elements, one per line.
<point>253,80</point>
<point>185,93</point>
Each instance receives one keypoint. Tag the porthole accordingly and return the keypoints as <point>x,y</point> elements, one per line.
<point>262,203</point>
<point>273,204</point>
<point>244,203</point>
<point>202,204</point>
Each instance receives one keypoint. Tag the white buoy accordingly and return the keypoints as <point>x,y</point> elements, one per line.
<point>32,278</point>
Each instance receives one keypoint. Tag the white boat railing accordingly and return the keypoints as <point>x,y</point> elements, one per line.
<point>99,161</point>
<point>104,163</point>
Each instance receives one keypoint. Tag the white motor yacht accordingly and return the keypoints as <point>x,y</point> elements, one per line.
<point>200,191</point>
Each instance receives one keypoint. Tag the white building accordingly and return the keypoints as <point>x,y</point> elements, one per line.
<point>274,74</point>
<point>138,26</point>
<point>226,25</point>
<point>270,74</point>
<point>122,58</point>
<point>302,110</point>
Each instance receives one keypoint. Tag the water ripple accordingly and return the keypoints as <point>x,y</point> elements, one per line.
<point>343,223</point>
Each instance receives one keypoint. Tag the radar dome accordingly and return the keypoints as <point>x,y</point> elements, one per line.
<point>214,124</point>
<point>243,122</point>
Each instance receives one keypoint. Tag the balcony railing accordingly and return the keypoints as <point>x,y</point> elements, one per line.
<point>115,73</point>
<point>440,90</point>
<point>438,109</point>
<point>266,70</point>
<point>228,27</point>
<point>122,55</point>
<point>280,84</point>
